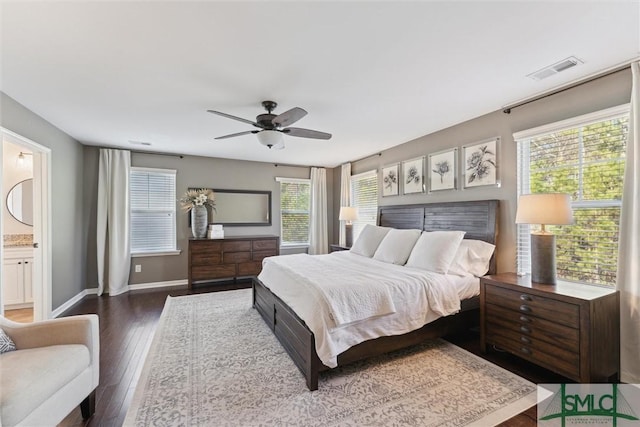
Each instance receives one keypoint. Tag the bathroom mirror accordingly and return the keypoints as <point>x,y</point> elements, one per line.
<point>20,201</point>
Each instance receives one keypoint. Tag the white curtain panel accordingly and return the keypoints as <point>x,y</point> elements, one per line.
<point>318,235</point>
<point>114,245</point>
<point>345,199</point>
<point>629,245</point>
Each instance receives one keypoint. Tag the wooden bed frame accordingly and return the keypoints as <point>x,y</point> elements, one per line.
<point>480,221</point>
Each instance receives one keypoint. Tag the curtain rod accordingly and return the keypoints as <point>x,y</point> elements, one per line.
<point>366,157</point>
<point>155,153</point>
<point>289,165</point>
<point>508,108</point>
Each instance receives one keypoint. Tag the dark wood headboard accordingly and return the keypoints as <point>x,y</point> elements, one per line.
<point>479,219</point>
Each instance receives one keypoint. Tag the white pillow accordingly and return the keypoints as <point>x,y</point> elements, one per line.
<point>396,246</point>
<point>435,250</point>
<point>369,240</point>
<point>473,258</point>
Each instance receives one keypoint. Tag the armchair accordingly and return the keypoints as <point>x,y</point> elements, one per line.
<point>54,369</point>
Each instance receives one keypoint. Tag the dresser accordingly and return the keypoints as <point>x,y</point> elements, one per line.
<point>570,328</point>
<point>230,258</point>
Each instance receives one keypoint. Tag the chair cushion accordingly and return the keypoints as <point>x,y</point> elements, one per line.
<point>29,377</point>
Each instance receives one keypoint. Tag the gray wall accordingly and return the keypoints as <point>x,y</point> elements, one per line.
<point>68,243</point>
<point>192,171</point>
<point>600,94</point>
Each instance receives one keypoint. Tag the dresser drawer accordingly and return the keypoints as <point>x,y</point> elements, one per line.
<point>204,272</point>
<point>237,246</point>
<point>533,305</point>
<point>206,257</point>
<point>205,246</point>
<point>538,328</point>
<point>250,268</point>
<point>234,257</point>
<point>259,245</point>
<point>260,255</point>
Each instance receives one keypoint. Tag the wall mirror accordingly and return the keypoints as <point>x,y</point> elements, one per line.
<point>20,201</point>
<point>242,207</point>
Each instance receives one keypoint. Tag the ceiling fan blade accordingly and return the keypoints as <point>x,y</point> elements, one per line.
<point>240,119</point>
<point>246,132</point>
<point>306,133</point>
<point>289,117</point>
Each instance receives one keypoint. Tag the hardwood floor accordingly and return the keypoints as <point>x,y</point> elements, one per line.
<point>22,315</point>
<point>127,325</point>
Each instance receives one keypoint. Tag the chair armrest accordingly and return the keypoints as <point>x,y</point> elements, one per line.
<point>82,329</point>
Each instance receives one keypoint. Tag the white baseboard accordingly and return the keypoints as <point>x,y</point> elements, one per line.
<point>94,291</point>
<point>152,285</point>
<point>67,305</point>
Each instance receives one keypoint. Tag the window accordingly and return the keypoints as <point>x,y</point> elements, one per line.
<point>295,202</point>
<point>364,196</point>
<point>153,210</point>
<point>585,158</point>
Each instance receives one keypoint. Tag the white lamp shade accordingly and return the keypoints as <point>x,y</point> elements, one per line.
<point>348,213</point>
<point>547,209</point>
<point>271,139</point>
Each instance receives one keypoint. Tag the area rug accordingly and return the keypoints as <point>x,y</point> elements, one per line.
<point>214,362</point>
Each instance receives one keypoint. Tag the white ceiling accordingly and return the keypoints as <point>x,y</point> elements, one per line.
<point>374,74</point>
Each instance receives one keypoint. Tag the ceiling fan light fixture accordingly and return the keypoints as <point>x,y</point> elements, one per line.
<point>271,139</point>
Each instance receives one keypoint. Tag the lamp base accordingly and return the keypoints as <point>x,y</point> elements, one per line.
<point>543,258</point>
<point>348,234</point>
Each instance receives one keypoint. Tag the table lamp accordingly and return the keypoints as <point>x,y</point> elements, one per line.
<point>544,209</point>
<point>348,214</point>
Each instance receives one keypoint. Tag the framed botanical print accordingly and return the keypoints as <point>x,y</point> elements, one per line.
<point>413,176</point>
<point>390,180</point>
<point>442,170</point>
<point>480,163</point>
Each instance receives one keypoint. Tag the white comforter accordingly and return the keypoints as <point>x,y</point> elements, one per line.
<point>346,299</point>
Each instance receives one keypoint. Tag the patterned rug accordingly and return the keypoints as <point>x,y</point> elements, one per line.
<point>213,362</point>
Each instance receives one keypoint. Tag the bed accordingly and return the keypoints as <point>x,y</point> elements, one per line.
<point>478,219</point>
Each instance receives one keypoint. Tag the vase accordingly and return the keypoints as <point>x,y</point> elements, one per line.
<point>199,221</point>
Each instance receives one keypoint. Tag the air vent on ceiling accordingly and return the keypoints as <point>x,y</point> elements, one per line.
<point>139,143</point>
<point>549,71</point>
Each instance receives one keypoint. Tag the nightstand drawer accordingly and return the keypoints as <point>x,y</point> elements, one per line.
<point>534,305</point>
<point>538,328</point>
<point>559,360</point>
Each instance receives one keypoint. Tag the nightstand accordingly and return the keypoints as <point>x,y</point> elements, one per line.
<point>572,329</point>
<point>337,248</point>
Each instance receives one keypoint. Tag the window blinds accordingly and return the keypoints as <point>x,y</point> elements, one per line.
<point>584,158</point>
<point>364,196</point>
<point>294,210</point>
<point>153,210</point>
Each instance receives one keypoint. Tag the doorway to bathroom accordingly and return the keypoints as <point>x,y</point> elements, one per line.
<point>25,223</point>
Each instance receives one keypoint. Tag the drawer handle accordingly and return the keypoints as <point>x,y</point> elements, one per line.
<point>525,329</point>
<point>525,350</point>
<point>525,319</point>
<point>525,297</point>
<point>525,308</point>
<point>525,340</point>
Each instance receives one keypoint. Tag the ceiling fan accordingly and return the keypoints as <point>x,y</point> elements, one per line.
<point>272,126</point>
